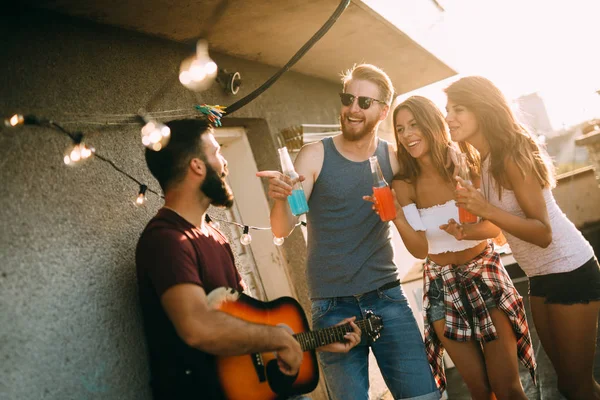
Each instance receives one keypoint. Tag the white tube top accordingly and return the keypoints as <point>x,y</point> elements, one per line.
<point>569,249</point>
<point>441,241</point>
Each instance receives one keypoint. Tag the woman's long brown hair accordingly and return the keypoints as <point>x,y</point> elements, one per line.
<point>507,138</point>
<point>432,125</point>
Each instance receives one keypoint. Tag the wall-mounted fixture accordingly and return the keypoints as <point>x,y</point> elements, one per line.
<point>229,81</point>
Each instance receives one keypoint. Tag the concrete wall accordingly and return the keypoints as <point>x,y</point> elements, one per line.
<point>578,195</point>
<point>70,327</point>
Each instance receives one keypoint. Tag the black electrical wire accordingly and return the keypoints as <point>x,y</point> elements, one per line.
<point>307,46</point>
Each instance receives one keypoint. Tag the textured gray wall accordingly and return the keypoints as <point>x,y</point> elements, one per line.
<point>70,327</point>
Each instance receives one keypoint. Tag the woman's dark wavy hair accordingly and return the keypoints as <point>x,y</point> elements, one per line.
<point>508,139</point>
<point>432,125</point>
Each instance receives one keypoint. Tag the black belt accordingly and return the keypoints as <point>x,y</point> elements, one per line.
<point>387,286</point>
<point>390,285</point>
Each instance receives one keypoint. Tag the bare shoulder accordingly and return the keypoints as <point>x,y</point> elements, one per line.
<point>310,159</point>
<point>405,192</point>
<point>512,169</point>
<point>516,176</point>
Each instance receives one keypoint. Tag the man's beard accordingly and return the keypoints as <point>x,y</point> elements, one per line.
<point>216,188</point>
<point>351,135</point>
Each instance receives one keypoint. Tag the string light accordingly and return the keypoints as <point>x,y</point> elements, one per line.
<point>190,80</point>
<point>141,198</point>
<point>155,135</point>
<point>18,120</point>
<point>198,71</point>
<point>246,239</point>
<point>15,120</point>
<point>78,152</point>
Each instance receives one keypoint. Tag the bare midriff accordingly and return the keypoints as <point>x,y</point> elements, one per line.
<point>458,257</point>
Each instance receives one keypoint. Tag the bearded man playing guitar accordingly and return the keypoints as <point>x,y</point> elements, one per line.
<point>180,258</point>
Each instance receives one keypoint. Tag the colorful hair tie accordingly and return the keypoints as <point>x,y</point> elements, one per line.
<point>212,113</point>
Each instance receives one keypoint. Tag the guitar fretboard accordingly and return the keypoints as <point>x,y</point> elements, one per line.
<point>321,337</point>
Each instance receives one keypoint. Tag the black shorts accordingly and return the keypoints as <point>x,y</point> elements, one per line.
<point>579,286</point>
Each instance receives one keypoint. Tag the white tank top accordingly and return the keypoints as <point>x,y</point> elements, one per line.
<point>568,251</point>
<point>441,241</point>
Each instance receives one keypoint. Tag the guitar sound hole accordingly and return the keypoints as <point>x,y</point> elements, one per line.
<point>280,383</point>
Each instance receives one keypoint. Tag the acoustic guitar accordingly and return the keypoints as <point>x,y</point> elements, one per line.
<point>257,376</point>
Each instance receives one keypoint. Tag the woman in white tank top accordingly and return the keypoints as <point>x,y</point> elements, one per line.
<point>564,276</point>
<point>471,308</point>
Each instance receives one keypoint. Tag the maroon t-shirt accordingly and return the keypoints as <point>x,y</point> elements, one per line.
<point>172,251</point>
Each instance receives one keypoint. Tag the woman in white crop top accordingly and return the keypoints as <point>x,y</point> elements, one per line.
<point>564,275</point>
<point>471,308</point>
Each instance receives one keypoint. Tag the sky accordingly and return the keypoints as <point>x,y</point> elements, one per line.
<point>523,46</point>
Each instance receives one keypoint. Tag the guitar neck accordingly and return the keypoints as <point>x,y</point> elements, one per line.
<point>312,339</point>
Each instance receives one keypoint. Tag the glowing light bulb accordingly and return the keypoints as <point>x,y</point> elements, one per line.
<point>185,78</point>
<point>148,128</point>
<point>198,72</point>
<point>155,135</point>
<point>210,68</point>
<point>15,120</point>
<point>75,154</point>
<point>141,198</point>
<point>79,152</point>
<point>85,152</point>
<point>246,239</point>
<point>277,241</point>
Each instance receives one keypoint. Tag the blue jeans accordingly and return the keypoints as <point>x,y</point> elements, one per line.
<point>400,352</point>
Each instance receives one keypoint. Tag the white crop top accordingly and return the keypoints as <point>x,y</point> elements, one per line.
<point>431,218</point>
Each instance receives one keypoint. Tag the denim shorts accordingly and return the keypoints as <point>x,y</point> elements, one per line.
<point>579,286</point>
<point>437,307</point>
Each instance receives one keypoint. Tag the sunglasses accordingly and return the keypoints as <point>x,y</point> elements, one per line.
<point>363,101</point>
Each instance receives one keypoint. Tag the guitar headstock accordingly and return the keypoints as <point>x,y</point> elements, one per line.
<point>373,326</point>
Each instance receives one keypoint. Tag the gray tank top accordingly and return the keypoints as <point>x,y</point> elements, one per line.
<point>349,247</point>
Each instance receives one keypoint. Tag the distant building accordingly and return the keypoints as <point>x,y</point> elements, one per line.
<point>561,146</point>
<point>560,143</point>
<point>531,112</point>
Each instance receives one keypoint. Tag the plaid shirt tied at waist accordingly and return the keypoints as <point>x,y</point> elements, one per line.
<point>485,269</point>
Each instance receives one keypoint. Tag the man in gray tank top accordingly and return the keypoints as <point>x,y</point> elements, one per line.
<point>350,267</point>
